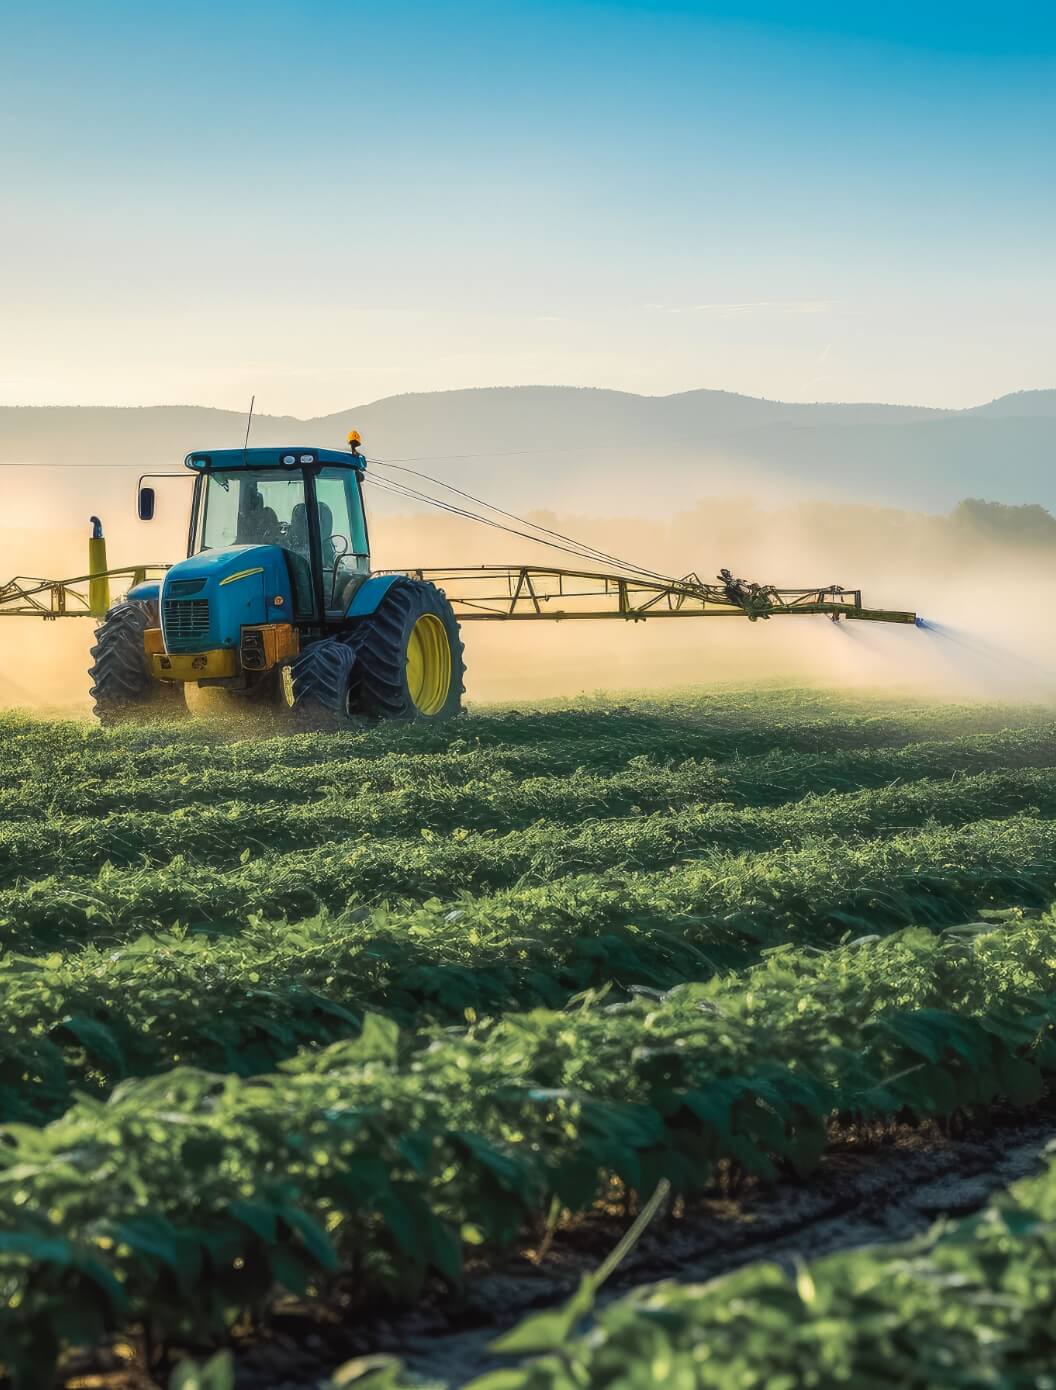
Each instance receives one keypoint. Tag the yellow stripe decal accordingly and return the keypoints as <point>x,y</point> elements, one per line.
<point>242,574</point>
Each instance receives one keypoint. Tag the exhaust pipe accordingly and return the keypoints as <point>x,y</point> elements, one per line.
<point>98,578</point>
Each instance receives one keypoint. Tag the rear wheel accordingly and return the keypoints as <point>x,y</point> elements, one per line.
<point>318,685</point>
<point>409,656</point>
<point>122,684</point>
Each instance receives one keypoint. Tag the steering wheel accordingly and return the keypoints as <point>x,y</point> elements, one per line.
<point>338,556</point>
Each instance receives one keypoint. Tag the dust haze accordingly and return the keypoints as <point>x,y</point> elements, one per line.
<point>982,576</point>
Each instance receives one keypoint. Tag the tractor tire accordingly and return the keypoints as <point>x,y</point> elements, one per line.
<point>122,685</point>
<point>318,685</point>
<point>409,656</point>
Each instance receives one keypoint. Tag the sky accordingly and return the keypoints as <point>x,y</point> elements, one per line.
<point>323,203</point>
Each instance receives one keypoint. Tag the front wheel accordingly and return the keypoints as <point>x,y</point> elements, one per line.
<point>409,656</point>
<point>317,686</point>
<point>123,686</point>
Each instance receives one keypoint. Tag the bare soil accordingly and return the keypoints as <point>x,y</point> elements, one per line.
<point>868,1190</point>
<point>871,1187</point>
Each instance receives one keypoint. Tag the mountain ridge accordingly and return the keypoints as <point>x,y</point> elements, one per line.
<point>1036,395</point>
<point>595,448</point>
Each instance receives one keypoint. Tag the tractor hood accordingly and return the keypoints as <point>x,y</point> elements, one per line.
<point>207,599</point>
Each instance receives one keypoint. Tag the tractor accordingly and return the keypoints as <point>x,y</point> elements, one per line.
<point>277,605</point>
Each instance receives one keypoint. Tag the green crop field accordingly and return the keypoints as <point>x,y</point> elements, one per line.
<point>345,1023</point>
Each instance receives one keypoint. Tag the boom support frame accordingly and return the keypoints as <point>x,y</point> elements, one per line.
<point>529,593</point>
<point>518,593</point>
<point>24,597</point>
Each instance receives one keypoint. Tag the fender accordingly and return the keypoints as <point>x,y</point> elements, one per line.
<point>150,590</point>
<point>370,593</point>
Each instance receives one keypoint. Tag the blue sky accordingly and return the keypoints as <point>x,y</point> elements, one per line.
<point>329,202</point>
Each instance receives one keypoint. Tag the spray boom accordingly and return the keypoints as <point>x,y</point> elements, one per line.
<point>504,593</point>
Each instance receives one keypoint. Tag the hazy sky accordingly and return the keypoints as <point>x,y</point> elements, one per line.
<point>324,202</point>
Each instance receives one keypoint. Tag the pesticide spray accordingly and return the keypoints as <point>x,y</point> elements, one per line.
<point>992,601</point>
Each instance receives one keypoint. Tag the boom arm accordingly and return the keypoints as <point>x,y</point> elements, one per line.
<point>520,593</point>
<point>23,597</point>
<point>528,593</point>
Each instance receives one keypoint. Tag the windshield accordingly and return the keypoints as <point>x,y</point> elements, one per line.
<point>243,507</point>
<point>262,507</point>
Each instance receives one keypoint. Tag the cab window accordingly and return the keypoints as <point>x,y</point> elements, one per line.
<point>342,535</point>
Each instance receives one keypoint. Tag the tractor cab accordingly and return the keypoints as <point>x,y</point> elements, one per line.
<point>306,503</point>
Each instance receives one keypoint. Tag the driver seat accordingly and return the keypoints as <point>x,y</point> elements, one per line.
<point>327,549</point>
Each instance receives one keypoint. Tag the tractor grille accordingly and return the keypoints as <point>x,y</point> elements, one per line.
<point>184,588</point>
<point>185,620</point>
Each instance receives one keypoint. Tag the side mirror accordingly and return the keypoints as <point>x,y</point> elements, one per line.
<point>146,504</point>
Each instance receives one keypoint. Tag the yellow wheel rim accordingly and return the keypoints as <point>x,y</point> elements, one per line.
<point>429,664</point>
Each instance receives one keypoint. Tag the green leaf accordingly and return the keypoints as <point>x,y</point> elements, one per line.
<point>259,1217</point>
<point>547,1331</point>
<point>96,1038</point>
<point>509,1171</point>
<point>44,1249</point>
<point>1020,1082</point>
<point>395,1209</point>
<point>445,1250</point>
<point>149,1235</point>
<point>417,1149</point>
<point>378,1040</point>
<point>313,1235</point>
<point>369,1373</point>
<point>216,1374</point>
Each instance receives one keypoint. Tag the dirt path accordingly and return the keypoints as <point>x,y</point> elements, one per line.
<point>863,1193</point>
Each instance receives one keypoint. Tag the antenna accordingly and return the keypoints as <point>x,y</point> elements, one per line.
<point>249,426</point>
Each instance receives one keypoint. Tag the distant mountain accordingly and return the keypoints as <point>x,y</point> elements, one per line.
<point>1025,405</point>
<point>606,452</point>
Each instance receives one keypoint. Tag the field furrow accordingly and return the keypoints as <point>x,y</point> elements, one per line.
<point>284,1009</point>
<point>814,893</point>
<point>178,778</point>
<point>608,733</point>
<point>366,1159</point>
<point>968,1305</point>
<point>628,818</point>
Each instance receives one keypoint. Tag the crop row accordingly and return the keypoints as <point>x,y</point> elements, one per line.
<point>457,784</point>
<point>241,1002</point>
<point>601,740</point>
<point>245,1000</point>
<point>574,740</point>
<point>727,724</point>
<point>775,777</point>
<point>732,901</point>
<point>536,814</point>
<point>49,792</point>
<point>218,832</point>
<point>189,1195</point>
<point>970,1306</point>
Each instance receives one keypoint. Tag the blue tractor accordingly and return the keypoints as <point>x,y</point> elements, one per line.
<point>276,604</point>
